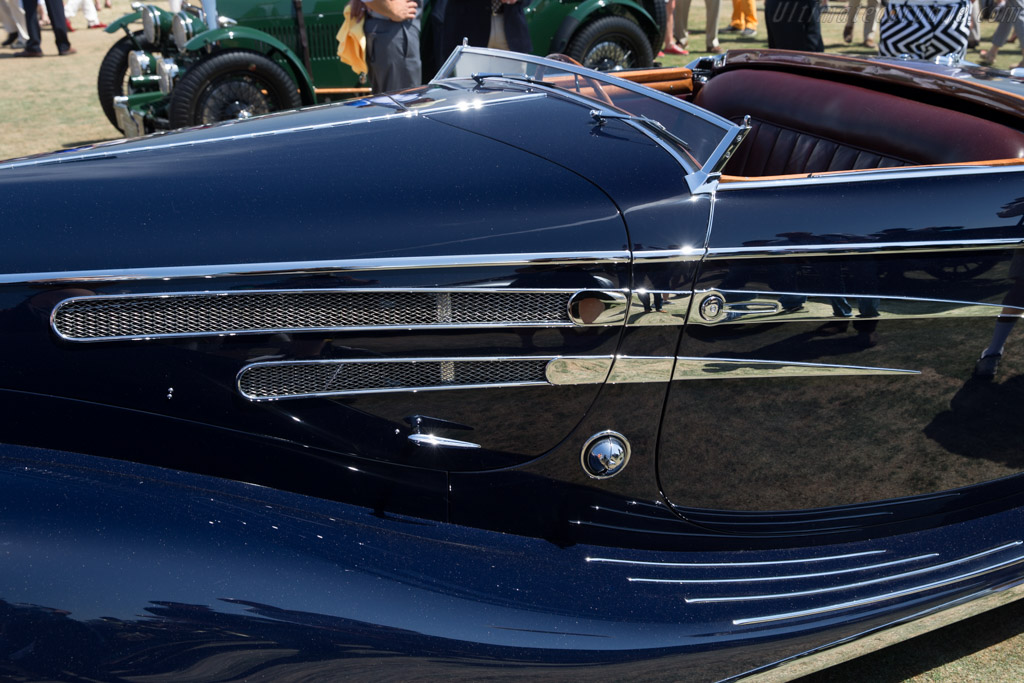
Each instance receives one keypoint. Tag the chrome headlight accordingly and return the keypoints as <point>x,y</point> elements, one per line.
<point>138,63</point>
<point>151,24</point>
<point>167,70</point>
<point>183,29</point>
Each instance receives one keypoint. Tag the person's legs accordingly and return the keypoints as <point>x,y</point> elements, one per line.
<point>870,21</point>
<point>749,9</point>
<point>852,7</point>
<point>714,8</point>
<point>59,25</point>
<point>32,26</point>
<point>680,19</point>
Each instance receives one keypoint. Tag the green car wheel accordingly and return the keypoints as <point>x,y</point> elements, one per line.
<point>231,85</point>
<point>611,43</point>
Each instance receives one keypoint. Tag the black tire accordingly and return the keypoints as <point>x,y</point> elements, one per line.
<point>113,76</point>
<point>231,85</point>
<point>659,13</point>
<point>611,43</point>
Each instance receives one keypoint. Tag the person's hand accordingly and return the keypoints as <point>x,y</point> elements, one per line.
<point>356,9</point>
<point>395,10</point>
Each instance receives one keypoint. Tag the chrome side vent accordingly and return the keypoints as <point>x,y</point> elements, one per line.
<point>301,379</point>
<point>105,318</point>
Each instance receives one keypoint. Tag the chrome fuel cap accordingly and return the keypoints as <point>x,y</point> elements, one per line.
<point>605,454</point>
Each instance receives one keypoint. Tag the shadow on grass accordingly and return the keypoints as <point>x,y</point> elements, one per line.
<point>932,650</point>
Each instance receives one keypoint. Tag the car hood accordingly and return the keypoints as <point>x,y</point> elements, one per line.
<point>363,180</point>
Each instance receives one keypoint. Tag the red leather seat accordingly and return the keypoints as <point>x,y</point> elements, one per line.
<point>810,125</point>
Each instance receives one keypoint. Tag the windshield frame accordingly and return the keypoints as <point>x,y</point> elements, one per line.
<point>698,177</point>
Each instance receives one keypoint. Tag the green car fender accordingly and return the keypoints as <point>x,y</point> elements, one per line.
<point>590,8</point>
<point>123,21</point>
<point>247,38</point>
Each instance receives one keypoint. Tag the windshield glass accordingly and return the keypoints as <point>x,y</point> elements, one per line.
<point>700,132</point>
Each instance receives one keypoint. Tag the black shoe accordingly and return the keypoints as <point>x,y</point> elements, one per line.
<point>986,366</point>
<point>29,53</point>
<point>11,37</point>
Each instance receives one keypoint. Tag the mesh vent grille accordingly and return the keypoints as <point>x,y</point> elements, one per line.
<point>284,380</point>
<point>184,314</point>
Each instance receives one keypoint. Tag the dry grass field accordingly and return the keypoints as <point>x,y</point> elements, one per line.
<point>51,103</point>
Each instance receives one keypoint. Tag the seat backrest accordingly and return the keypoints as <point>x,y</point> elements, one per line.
<point>811,125</point>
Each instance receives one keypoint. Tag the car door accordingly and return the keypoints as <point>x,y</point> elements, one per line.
<point>824,382</point>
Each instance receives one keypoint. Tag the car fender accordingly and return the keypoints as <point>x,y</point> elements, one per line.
<point>122,21</point>
<point>590,9</point>
<point>258,41</point>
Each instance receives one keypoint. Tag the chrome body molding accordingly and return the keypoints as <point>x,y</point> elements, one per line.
<point>658,307</point>
<point>870,582</point>
<point>866,175</point>
<point>611,369</point>
<point>726,565</point>
<point>595,308</point>
<point>638,369</point>
<point>191,314</point>
<point>920,588</point>
<point>745,306</point>
<point>276,380</point>
<point>859,248</point>
<point>739,368</point>
<point>325,267</point>
<point>681,255</point>
<point>570,370</point>
<point>440,441</point>
<point>787,577</point>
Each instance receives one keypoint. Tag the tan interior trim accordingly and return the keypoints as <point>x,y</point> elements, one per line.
<point>797,176</point>
<point>342,91</point>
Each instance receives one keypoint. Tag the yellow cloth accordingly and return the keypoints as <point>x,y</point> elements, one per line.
<point>352,43</point>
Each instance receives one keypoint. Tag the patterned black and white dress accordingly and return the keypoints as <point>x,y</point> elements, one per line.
<point>925,29</point>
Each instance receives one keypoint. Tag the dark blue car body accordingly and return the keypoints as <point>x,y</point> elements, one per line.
<point>325,393</point>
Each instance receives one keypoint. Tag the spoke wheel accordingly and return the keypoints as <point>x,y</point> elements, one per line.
<point>611,43</point>
<point>231,85</point>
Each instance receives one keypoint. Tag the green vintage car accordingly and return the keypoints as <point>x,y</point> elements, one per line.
<point>280,54</point>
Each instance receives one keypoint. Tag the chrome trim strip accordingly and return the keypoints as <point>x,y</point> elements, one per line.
<point>880,598</point>
<point>848,570</point>
<point>866,582</point>
<point>572,370</point>
<point>860,248</point>
<point>431,440</point>
<point>688,368</point>
<point>637,370</point>
<point>685,254</point>
<point>569,370</point>
<point>315,267</point>
<point>603,77</point>
<point>577,370</point>
<point>672,309</point>
<point>765,563</point>
<point>865,175</point>
<point>706,180</point>
<point>448,361</point>
<point>442,305</point>
<point>762,306</point>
